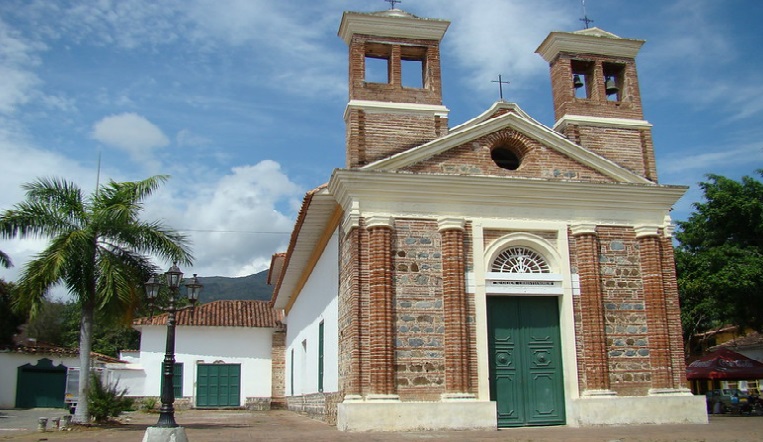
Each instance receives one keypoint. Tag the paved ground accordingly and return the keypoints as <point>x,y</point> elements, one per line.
<point>223,426</point>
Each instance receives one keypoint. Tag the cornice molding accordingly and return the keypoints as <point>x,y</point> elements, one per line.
<point>601,43</point>
<point>450,223</point>
<point>397,24</point>
<point>645,231</point>
<point>583,229</point>
<point>379,221</point>
<point>383,107</point>
<point>582,120</point>
<point>445,196</point>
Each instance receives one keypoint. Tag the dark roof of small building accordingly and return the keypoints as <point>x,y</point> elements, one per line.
<point>226,313</point>
<point>750,340</point>
<point>47,349</point>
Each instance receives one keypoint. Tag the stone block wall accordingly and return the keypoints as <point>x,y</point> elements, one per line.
<point>258,403</point>
<point>420,328</point>
<point>318,406</point>
<point>624,311</point>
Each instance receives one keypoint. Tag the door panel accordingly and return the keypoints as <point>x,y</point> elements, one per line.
<point>218,385</point>
<point>525,360</point>
<point>41,385</point>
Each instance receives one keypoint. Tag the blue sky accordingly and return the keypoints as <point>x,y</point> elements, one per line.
<point>241,101</point>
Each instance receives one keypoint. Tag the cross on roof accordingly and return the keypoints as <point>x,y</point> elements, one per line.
<point>585,18</point>
<point>392,3</point>
<point>500,85</point>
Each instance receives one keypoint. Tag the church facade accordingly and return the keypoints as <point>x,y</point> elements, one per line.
<point>493,274</point>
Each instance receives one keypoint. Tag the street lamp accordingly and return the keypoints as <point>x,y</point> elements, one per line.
<point>173,276</point>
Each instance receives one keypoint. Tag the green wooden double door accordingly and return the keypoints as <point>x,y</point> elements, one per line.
<point>526,379</point>
<point>218,385</point>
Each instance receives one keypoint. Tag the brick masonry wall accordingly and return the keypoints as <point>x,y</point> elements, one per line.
<point>537,161</point>
<point>373,136</point>
<point>354,341</point>
<point>420,328</point>
<point>594,358</point>
<point>624,311</point>
<point>675,330</point>
<point>394,92</point>
<point>657,321</point>
<point>577,314</point>
<point>631,148</point>
<point>278,370</point>
<point>623,146</point>
<point>565,102</point>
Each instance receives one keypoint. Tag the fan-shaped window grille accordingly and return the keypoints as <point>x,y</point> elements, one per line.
<point>520,260</point>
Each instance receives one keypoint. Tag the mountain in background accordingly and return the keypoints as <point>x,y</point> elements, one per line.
<point>252,287</point>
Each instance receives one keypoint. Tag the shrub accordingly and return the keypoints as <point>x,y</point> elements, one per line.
<point>148,404</point>
<point>106,400</point>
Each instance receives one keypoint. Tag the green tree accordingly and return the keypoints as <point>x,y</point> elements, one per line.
<point>98,249</point>
<point>719,257</point>
<point>9,326</point>
<point>11,320</point>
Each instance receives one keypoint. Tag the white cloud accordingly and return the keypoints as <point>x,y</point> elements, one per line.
<point>131,133</point>
<point>712,160</point>
<point>492,37</point>
<point>17,59</point>
<point>236,222</point>
<point>185,137</point>
<point>22,162</point>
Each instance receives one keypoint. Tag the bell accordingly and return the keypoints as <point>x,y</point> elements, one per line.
<point>610,87</point>
<point>577,82</point>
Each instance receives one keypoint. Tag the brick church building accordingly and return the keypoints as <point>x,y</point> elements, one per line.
<point>492,274</point>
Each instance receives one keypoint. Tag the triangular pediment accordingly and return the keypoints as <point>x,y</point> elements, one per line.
<point>545,153</point>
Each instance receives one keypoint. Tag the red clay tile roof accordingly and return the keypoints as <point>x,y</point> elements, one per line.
<point>222,314</point>
<point>285,260</point>
<point>46,349</point>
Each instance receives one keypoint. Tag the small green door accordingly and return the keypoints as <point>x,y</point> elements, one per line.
<point>41,385</point>
<point>526,379</point>
<point>218,385</point>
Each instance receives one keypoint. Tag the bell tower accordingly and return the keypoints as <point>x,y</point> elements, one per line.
<point>400,105</point>
<point>597,102</point>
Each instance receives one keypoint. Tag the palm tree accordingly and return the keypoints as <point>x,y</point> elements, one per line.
<point>98,249</point>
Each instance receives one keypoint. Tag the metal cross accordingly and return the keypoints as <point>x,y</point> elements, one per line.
<point>500,85</point>
<point>585,18</point>
<point>392,3</point>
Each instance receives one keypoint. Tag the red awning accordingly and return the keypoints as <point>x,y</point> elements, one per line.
<point>725,364</point>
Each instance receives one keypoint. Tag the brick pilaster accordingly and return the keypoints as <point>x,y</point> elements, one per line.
<point>673,312</point>
<point>278,369</point>
<point>655,306</point>
<point>595,361</point>
<point>457,373</point>
<point>381,314</point>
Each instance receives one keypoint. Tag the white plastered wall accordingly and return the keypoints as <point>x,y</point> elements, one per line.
<point>248,346</point>
<point>317,302</point>
<point>9,364</point>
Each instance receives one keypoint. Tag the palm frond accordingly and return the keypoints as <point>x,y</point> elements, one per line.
<point>5,260</point>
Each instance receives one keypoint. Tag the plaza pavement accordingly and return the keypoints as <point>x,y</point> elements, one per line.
<point>280,425</point>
